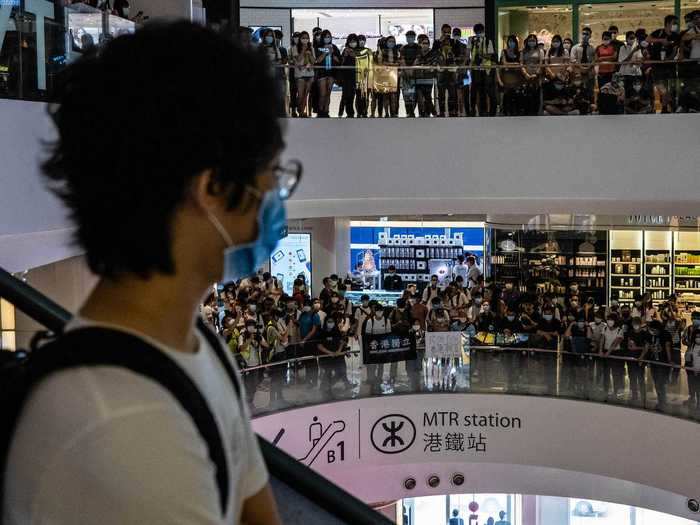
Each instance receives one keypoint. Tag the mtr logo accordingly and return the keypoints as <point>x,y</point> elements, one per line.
<point>42,10</point>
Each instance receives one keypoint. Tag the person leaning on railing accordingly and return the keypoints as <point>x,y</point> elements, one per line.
<point>304,59</point>
<point>408,54</point>
<point>532,60</point>
<point>428,60</point>
<point>510,79</point>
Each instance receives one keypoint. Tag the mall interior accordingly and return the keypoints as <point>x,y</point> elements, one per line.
<point>535,277</point>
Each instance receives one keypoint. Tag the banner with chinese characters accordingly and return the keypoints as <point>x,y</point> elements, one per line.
<point>444,344</point>
<point>388,348</point>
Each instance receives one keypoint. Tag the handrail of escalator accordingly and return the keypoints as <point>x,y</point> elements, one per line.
<point>281,465</point>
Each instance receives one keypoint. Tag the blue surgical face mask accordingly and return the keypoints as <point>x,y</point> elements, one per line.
<point>390,45</point>
<point>511,45</point>
<point>243,260</point>
<point>269,40</point>
<point>327,40</point>
<point>410,39</point>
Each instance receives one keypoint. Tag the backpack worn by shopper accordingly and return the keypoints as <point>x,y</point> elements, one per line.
<point>96,346</point>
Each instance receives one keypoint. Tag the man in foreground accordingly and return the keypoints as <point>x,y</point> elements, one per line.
<point>173,184</point>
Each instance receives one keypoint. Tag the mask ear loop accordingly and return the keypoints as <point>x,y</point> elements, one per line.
<point>219,227</point>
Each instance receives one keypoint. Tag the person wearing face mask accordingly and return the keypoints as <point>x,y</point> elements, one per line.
<point>392,280</point>
<point>636,341</point>
<point>630,56</point>
<point>362,312</point>
<point>325,295</point>
<point>277,57</point>
<point>425,77</point>
<point>578,336</point>
<point>549,328</point>
<point>555,58</point>
<point>332,343</point>
<point>511,79</point>
<point>431,291</point>
<point>419,311</point>
<point>614,32</point>
<point>461,53</point>
<point>487,320</point>
<point>457,300</point>
<point>309,327</point>
<point>303,58</point>
<point>509,324</point>
<point>388,56</point>
<point>253,348</point>
<point>674,329</point>
<point>692,369</point>
<point>446,80</point>
<point>364,60</point>
<point>408,54</point>
<point>606,58</point>
<point>316,41</point>
<point>583,55</point>
<point>664,46</point>
<point>347,77</point>
<point>482,55</point>
<point>327,56</point>
<point>611,344</point>
<point>558,96</point>
<point>686,337</point>
<point>211,224</point>
<point>611,97</point>
<point>439,317</point>
<point>376,324</point>
<point>293,91</point>
<point>658,351</point>
<point>532,60</point>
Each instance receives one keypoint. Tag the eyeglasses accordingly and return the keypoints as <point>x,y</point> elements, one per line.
<point>287,179</point>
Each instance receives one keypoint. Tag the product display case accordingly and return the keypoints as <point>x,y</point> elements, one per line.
<point>657,264</point>
<point>550,260</point>
<point>686,267</point>
<point>625,282</point>
<point>417,258</point>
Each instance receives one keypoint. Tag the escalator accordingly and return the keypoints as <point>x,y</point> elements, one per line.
<point>303,496</point>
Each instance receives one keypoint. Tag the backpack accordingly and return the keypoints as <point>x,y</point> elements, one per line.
<point>116,348</point>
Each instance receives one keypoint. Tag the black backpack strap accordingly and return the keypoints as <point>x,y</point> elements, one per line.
<point>95,346</point>
<point>220,351</point>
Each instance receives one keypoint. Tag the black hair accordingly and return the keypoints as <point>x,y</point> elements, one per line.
<point>514,38</point>
<point>324,34</point>
<point>434,277</point>
<point>410,32</point>
<point>586,28</point>
<point>352,37</point>
<point>392,267</point>
<point>316,30</point>
<point>669,19</point>
<point>457,30</point>
<point>478,27</point>
<point>629,34</point>
<point>613,28</point>
<point>423,37</point>
<point>559,51</point>
<point>361,37</point>
<point>134,133</point>
<point>300,46</point>
<point>279,34</point>
<point>448,26</point>
<point>607,34</point>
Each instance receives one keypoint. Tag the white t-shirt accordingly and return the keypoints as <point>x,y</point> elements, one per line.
<point>105,445</point>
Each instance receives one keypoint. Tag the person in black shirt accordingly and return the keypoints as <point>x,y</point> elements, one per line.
<point>614,31</point>
<point>393,281</point>
<point>658,351</point>
<point>408,54</point>
<point>347,77</point>
<point>400,318</point>
<point>447,89</point>
<point>549,329</point>
<point>664,44</point>
<point>332,343</point>
<point>636,341</point>
<point>509,324</point>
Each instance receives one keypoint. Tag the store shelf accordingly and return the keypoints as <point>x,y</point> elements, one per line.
<point>667,288</point>
<point>625,275</point>
<point>687,264</point>
<point>688,277</point>
<point>658,263</point>
<point>627,287</point>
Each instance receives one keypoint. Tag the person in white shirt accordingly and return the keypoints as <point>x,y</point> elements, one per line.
<point>473,274</point>
<point>460,269</point>
<point>102,444</point>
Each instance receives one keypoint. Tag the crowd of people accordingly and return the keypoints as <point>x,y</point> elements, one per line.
<point>635,73</point>
<point>262,324</point>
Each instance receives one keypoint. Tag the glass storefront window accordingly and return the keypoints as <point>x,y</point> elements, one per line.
<point>627,17</point>
<point>369,22</point>
<point>545,21</point>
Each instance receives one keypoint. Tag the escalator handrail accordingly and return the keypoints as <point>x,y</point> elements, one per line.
<point>281,465</point>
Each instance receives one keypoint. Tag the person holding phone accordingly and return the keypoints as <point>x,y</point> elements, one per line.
<point>327,56</point>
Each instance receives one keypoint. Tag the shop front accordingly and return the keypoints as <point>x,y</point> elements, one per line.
<point>567,18</point>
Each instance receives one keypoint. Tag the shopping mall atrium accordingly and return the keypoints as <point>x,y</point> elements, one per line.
<point>461,262</point>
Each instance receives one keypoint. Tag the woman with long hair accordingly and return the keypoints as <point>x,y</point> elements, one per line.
<point>510,79</point>
<point>303,58</point>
